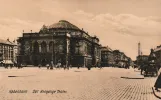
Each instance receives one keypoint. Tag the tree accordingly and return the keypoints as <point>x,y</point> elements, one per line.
<point>44,30</point>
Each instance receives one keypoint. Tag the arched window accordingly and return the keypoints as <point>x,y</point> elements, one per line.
<point>60,48</point>
<point>51,45</point>
<point>27,47</point>
<point>77,51</point>
<point>85,49</point>
<point>43,47</point>
<point>88,49</point>
<point>95,51</point>
<point>36,47</point>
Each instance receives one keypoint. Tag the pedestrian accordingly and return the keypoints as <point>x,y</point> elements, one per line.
<point>89,67</point>
<point>142,68</point>
<point>67,67</point>
<point>59,65</point>
<point>47,66</point>
<point>19,66</point>
<point>39,66</point>
<point>158,82</point>
<point>78,66</point>
<point>51,65</point>
<point>10,66</point>
<point>100,66</point>
<point>70,65</point>
<point>127,66</point>
<point>5,66</point>
<point>64,67</point>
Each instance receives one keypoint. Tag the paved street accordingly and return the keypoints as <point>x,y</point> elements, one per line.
<point>75,84</point>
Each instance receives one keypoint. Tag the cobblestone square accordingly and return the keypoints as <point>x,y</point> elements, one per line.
<point>75,84</point>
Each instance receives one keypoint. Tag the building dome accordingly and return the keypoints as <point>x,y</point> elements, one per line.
<point>63,24</point>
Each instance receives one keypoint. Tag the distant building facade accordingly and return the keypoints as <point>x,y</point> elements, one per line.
<point>121,59</point>
<point>107,58</point>
<point>61,42</point>
<point>114,58</point>
<point>7,52</point>
<point>142,59</point>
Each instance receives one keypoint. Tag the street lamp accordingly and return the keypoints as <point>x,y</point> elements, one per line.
<point>53,52</point>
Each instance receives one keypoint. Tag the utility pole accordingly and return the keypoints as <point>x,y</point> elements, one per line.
<point>53,61</point>
<point>139,49</point>
<point>54,55</point>
<point>139,53</point>
<point>52,52</point>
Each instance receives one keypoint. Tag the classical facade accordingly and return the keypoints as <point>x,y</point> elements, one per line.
<point>116,58</point>
<point>107,58</point>
<point>120,58</point>
<point>7,52</point>
<point>61,42</point>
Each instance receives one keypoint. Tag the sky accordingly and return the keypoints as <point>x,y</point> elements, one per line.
<point>119,24</point>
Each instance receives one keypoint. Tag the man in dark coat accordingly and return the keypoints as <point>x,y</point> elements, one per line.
<point>152,59</point>
<point>142,66</point>
<point>158,82</point>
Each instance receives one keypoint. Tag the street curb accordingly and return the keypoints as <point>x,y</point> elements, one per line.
<point>131,78</point>
<point>155,94</point>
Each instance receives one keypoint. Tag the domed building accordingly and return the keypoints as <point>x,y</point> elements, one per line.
<point>61,42</point>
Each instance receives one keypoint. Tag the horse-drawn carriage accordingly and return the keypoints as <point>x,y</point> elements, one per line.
<point>150,68</point>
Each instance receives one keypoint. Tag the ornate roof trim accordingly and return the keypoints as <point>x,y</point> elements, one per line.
<point>63,24</point>
<point>7,42</point>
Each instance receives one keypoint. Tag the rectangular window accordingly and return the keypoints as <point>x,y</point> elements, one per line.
<point>76,50</point>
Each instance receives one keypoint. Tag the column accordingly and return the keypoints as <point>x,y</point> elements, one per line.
<point>12,55</point>
<point>3,51</point>
<point>7,52</point>
<point>10,50</point>
<point>47,46</point>
<point>84,65</point>
<point>32,46</point>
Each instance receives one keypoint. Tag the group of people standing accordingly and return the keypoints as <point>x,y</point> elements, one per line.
<point>11,66</point>
<point>57,66</point>
<point>65,67</point>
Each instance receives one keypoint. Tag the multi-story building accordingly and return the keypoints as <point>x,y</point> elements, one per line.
<point>107,58</point>
<point>157,52</point>
<point>142,59</point>
<point>15,52</point>
<point>121,59</point>
<point>117,56</point>
<point>7,53</point>
<point>61,42</point>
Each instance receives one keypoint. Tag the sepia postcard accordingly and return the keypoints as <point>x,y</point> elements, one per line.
<point>80,50</point>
